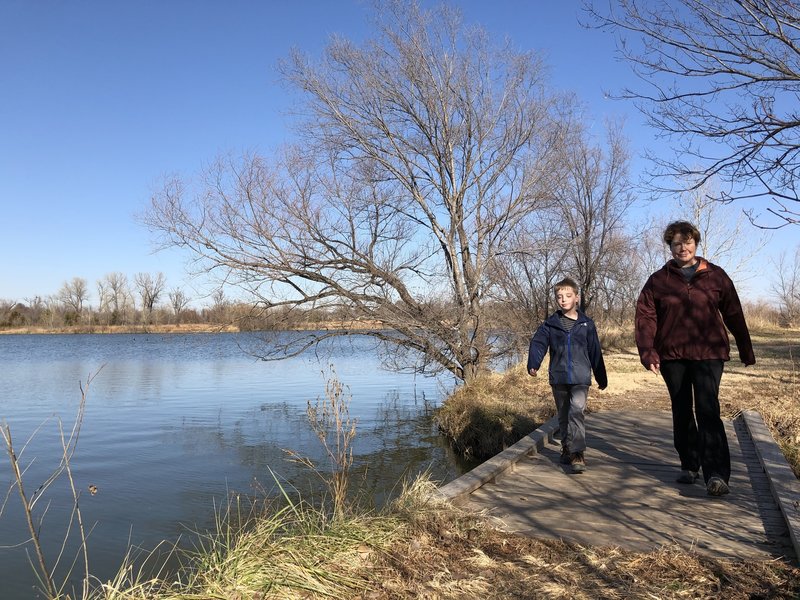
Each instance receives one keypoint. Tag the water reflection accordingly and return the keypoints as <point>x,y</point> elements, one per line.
<point>174,424</point>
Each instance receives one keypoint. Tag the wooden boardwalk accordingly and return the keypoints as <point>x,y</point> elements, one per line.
<point>628,496</point>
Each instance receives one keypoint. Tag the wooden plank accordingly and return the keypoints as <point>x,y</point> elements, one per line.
<point>782,482</point>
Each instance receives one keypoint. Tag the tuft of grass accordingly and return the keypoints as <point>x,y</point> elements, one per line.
<point>494,411</point>
<point>294,551</point>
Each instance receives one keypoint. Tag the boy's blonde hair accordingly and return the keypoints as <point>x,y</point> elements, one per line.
<point>567,282</point>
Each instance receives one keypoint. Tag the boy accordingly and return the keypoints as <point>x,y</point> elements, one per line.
<point>575,353</point>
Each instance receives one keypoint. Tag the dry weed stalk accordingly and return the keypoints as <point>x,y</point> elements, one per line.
<point>330,420</point>
<point>46,575</point>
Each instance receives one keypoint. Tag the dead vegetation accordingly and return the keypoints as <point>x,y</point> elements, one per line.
<point>495,411</point>
<point>451,555</point>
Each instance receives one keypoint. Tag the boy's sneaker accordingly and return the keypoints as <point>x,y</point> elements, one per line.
<point>687,476</point>
<point>566,457</point>
<point>717,487</point>
<point>577,463</point>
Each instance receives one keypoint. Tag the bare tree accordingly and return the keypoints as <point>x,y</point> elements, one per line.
<point>651,251</point>
<point>525,274</point>
<point>726,236</point>
<point>620,281</point>
<point>421,151</point>
<point>593,192</point>
<point>103,296</point>
<point>150,289</point>
<point>119,296</point>
<point>721,78</point>
<point>73,294</point>
<point>37,307</point>
<point>787,287</point>
<point>52,306</point>
<point>179,301</point>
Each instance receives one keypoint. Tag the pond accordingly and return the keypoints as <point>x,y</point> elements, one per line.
<point>174,425</point>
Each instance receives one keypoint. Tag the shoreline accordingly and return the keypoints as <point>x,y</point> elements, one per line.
<point>183,328</point>
<point>104,329</point>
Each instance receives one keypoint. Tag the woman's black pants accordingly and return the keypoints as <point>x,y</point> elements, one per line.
<point>697,428</point>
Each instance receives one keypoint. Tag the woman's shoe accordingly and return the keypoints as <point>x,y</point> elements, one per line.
<point>717,487</point>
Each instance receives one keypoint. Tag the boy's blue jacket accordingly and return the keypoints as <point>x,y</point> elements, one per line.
<point>574,355</point>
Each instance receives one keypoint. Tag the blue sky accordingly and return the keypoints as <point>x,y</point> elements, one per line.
<point>101,99</point>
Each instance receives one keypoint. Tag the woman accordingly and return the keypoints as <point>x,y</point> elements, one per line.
<point>681,316</point>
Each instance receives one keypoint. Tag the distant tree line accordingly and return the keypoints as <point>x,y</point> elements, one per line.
<point>526,299</point>
<point>143,300</point>
<point>146,300</point>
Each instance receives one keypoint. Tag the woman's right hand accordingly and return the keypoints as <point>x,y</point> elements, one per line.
<point>655,368</point>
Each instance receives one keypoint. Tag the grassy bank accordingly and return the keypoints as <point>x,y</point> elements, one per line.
<point>419,548</point>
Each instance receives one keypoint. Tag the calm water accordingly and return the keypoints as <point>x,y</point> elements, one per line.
<point>175,424</point>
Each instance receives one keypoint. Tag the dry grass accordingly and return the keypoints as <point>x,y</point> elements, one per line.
<point>495,411</point>
<point>422,548</point>
<point>459,557</point>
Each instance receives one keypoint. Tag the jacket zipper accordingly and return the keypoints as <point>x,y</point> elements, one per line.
<point>569,354</point>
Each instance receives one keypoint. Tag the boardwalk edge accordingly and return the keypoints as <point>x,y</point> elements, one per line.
<point>498,464</point>
<point>782,481</point>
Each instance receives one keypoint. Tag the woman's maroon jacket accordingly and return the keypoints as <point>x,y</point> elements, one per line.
<point>676,319</point>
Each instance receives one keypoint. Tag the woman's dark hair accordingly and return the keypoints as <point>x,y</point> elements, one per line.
<point>683,228</point>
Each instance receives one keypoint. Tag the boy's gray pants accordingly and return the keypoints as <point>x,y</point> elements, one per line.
<point>571,404</point>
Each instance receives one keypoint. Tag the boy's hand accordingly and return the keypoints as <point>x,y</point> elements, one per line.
<point>655,368</point>
<point>532,372</point>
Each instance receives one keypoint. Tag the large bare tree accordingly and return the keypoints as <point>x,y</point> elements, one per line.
<point>150,289</point>
<point>722,79</point>
<point>117,294</point>
<point>420,151</point>
<point>74,293</point>
<point>593,194</point>
<point>580,234</point>
<point>524,276</point>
